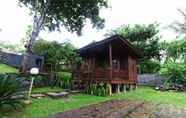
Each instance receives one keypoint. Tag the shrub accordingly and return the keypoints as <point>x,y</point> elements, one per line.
<point>64,80</point>
<point>97,89</point>
<point>39,80</point>
<point>9,89</point>
<point>175,72</point>
<point>149,66</point>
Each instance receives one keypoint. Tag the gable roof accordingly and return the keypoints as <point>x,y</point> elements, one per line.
<point>103,42</point>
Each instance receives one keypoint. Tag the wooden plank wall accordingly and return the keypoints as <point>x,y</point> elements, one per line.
<point>132,69</point>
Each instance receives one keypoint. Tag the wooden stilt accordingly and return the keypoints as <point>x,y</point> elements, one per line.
<point>110,89</point>
<point>118,88</point>
<point>124,88</point>
<point>130,86</point>
<point>136,86</point>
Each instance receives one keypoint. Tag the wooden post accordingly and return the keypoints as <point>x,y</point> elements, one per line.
<point>136,86</point>
<point>110,61</point>
<point>110,88</point>
<point>131,87</point>
<point>124,88</point>
<point>118,88</point>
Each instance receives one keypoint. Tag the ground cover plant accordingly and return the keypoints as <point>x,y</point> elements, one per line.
<point>9,89</point>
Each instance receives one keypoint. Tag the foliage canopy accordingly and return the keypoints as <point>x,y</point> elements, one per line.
<point>143,37</point>
<point>56,53</point>
<point>175,50</point>
<point>180,27</point>
<point>69,13</point>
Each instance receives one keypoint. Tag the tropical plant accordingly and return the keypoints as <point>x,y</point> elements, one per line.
<point>51,14</point>
<point>175,50</point>
<point>180,27</point>
<point>9,90</point>
<point>175,72</point>
<point>97,89</point>
<point>64,80</point>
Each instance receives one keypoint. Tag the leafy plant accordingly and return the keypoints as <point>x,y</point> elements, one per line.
<point>175,72</point>
<point>97,89</point>
<point>39,81</point>
<point>149,66</point>
<point>9,90</point>
<point>64,80</point>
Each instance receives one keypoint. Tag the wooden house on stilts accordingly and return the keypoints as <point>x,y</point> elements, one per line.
<point>111,61</point>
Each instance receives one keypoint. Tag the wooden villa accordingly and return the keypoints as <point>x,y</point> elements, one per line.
<point>111,61</point>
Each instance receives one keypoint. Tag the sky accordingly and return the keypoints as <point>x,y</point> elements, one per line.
<point>15,19</point>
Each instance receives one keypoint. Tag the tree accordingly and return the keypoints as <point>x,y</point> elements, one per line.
<point>55,53</point>
<point>145,38</point>
<point>180,27</point>
<point>11,47</point>
<point>175,50</point>
<point>51,14</point>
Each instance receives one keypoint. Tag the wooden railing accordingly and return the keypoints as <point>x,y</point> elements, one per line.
<point>123,74</point>
<point>100,73</point>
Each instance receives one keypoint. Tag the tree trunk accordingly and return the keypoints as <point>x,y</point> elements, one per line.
<point>27,55</point>
<point>37,25</point>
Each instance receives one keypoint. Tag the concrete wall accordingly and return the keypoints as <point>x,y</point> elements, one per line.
<point>16,59</point>
<point>150,79</point>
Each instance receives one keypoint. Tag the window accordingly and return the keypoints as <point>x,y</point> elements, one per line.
<point>116,64</point>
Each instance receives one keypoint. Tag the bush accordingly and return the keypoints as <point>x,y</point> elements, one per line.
<point>175,72</point>
<point>9,90</point>
<point>97,89</point>
<point>149,66</point>
<point>39,81</point>
<point>64,80</point>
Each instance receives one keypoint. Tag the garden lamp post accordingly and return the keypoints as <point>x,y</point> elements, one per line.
<point>33,71</point>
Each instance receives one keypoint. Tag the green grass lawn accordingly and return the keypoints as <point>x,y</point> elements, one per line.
<point>47,106</point>
<point>148,94</point>
<point>7,69</point>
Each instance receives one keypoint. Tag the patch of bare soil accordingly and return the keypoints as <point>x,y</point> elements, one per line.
<point>124,109</point>
<point>145,111</point>
<point>108,109</point>
<point>157,111</point>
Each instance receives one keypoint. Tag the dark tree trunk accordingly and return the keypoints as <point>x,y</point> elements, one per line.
<point>35,32</point>
<point>37,25</point>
